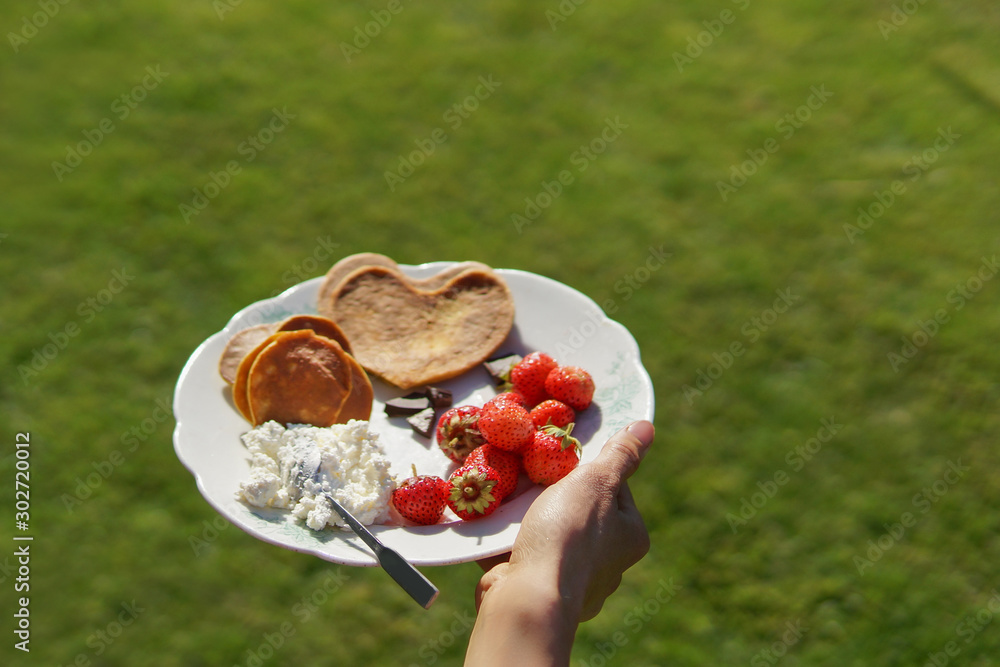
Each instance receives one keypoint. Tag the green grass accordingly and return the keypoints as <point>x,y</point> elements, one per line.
<point>656,185</point>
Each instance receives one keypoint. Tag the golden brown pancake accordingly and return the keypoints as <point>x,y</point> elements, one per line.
<point>344,268</point>
<point>412,336</point>
<point>359,402</point>
<point>245,340</point>
<point>348,265</point>
<point>299,378</point>
<point>241,382</point>
<point>238,346</point>
<point>323,326</point>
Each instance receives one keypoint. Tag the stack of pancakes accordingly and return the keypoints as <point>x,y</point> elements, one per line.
<point>299,371</point>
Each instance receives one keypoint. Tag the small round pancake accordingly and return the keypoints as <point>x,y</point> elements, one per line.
<point>242,379</point>
<point>359,403</point>
<point>323,326</point>
<point>245,340</point>
<point>238,346</point>
<point>299,378</point>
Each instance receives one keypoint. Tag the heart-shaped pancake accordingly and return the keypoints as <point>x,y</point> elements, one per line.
<point>409,335</point>
<point>364,260</point>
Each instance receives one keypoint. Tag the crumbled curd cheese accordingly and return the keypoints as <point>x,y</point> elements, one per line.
<point>353,468</point>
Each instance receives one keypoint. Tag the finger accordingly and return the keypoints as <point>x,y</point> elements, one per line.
<point>481,589</point>
<point>487,581</point>
<point>623,452</point>
<point>492,561</point>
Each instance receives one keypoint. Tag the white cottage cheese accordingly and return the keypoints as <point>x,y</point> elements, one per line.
<point>353,468</point>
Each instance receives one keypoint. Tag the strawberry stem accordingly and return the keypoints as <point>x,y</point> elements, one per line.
<point>566,440</point>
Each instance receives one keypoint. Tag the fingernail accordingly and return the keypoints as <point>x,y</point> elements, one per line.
<point>643,430</point>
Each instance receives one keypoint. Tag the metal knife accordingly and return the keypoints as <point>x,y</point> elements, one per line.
<point>413,582</point>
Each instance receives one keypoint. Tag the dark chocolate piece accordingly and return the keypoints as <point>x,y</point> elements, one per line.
<point>499,368</point>
<point>422,422</point>
<point>440,398</point>
<point>405,406</point>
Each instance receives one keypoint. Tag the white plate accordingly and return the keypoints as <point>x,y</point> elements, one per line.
<point>550,317</point>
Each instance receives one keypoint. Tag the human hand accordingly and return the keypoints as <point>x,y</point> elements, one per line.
<point>582,533</point>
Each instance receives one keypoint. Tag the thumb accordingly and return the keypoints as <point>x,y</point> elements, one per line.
<point>488,580</point>
<point>623,451</point>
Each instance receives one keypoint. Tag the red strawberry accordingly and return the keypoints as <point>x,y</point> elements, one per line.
<point>552,454</point>
<point>551,411</point>
<point>572,385</point>
<point>472,491</point>
<point>421,498</point>
<point>458,433</point>
<point>507,426</point>
<point>511,397</point>
<point>507,464</point>
<point>528,376</point>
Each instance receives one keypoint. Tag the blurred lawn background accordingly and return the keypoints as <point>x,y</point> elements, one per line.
<point>901,76</point>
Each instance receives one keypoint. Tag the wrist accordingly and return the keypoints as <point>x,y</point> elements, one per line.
<point>527,616</point>
<point>536,590</point>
